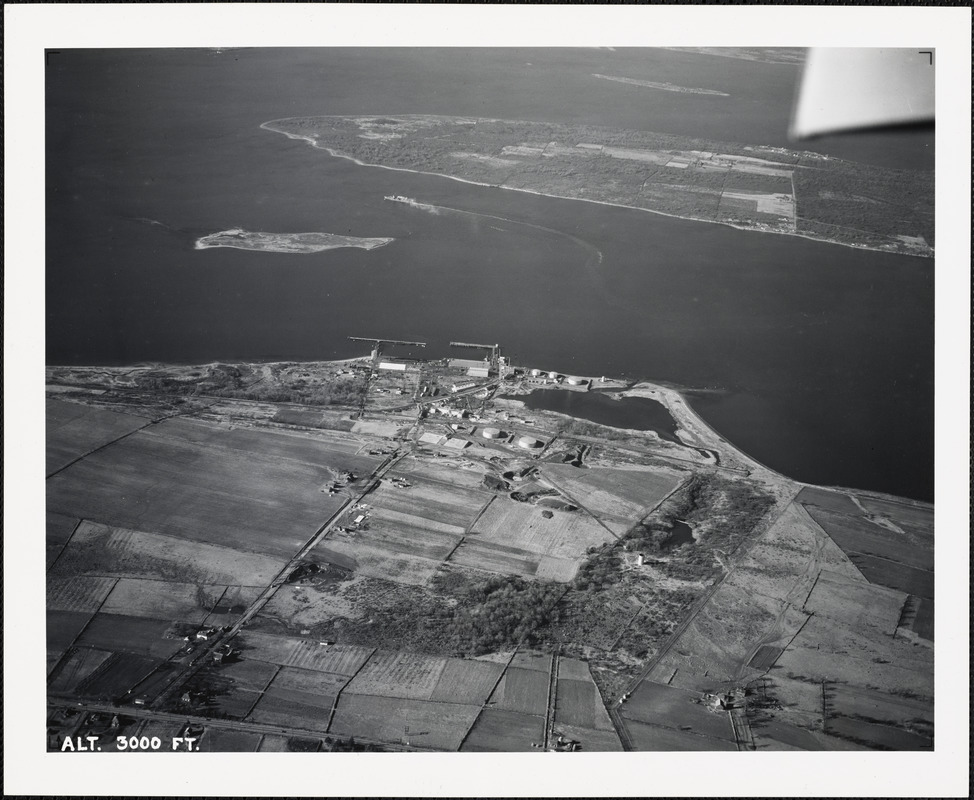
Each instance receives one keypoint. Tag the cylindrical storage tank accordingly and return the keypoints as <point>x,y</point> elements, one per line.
<point>491,433</point>
<point>535,373</point>
<point>552,375</point>
<point>573,381</point>
<point>528,442</point>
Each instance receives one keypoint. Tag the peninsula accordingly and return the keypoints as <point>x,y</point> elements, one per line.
<point>767,189</point>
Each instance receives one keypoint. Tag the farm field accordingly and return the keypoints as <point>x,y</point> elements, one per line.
<point>859,535</point>
<point>59,530</point>
<point>654,738</point>
<point>215,493</point>
<point>74,429</point>
<point>395,674</point>
<point>103,550</point>
<point>591,740</point>
<point>466,681</point>
<point>915,520</point>
<point>504,731</point>
<point>540,662</point>
<point>521,525</point>
<point>339,659</point>
<point>75,667</point>
<point>299,709</point>
<point>63,628</point>
<point>877,735</point>
<point>838,502</point>
<point>455,473</point>
<point>83,594</point>
<point>522,690</point>
<point>495,558</point>
<point>620,493</point>
<point>855,604</point>
<point>431,725</point>
<point>132,634</point>
<point>232,604</point>
<point>117,675</point>
<point>218,740</point>
<point>451,505</point>
<point>669,707</point>
<point>578,702</point>
<point>371,557</point>
<point>186,602</point>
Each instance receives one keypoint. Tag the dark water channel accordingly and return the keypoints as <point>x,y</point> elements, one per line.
<point>627,413</point>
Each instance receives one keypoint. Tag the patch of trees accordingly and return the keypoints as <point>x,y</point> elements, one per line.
<point>501,612</point>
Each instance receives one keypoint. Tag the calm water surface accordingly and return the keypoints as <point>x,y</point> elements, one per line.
<point>818,359</point>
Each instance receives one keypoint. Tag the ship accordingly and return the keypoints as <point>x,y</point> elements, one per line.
<point>398,198</point>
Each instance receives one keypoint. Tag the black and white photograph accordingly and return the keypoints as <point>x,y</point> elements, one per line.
<point>470,388</point>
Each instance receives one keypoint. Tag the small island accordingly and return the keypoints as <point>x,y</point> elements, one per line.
<point>285,242</point>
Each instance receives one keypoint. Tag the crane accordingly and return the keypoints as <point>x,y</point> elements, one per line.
<point>379,344</point>
<point>494,350</point>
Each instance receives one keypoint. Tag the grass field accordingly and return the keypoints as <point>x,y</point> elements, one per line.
<point>78,594</point>
<point>77,665</point>
<point>522,690</point>
<point>132,634</point>
<point>304,653</point>
<point>654,738</point>
<point>434,725</point>
<point>299,710</point>
<point>521,525</point>
<point>253,491</point>
<point>394,674</point>
<point>621,493</point>
<point>466,681</point>
<point>186,602</point>
<point>246,674</point>
<point>504,732</point>
<point>674,708</point>
<point>102,550</point>
<point>74,429</point>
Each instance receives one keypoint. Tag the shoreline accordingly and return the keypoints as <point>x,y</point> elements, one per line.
<point>338,154</point>
<point>676,403</point>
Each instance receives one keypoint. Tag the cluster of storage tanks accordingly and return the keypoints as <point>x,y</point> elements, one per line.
<point>571,380</point>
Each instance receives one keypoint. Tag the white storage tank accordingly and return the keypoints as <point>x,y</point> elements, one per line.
<point>535,373</point>
<point>574,381</point>
<point>528,442</point>
<point>491,433</point>
<point>552,375</point>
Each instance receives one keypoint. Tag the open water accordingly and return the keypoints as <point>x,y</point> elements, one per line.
<point>815,359</point>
